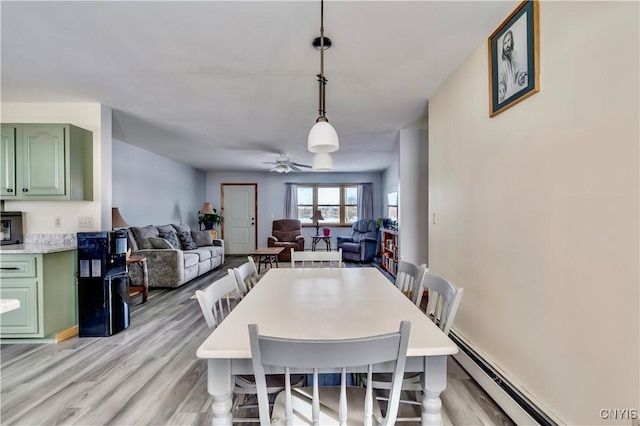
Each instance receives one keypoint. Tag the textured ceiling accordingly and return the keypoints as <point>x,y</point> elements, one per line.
<point>226,85</point>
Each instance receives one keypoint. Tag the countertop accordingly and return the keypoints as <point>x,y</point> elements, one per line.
<point>37,248</point>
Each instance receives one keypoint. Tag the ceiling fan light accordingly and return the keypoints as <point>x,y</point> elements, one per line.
<point>322,162</point>
<point>323,138</point>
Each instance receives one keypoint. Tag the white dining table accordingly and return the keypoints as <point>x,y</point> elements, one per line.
<point>325,303</point>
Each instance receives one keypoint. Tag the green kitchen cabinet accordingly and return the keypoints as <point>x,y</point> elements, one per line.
<point>47,162</point>
<point>45,285</point>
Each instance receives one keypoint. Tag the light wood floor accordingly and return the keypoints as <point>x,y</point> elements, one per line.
<point>149,373</point>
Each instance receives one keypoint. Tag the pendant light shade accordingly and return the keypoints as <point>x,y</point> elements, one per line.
<point>323,138</point>
<point>322,162</point>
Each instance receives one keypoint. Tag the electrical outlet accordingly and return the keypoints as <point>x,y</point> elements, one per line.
<point>434,219</point>
<point>85,222</point>
<point>57,222</point>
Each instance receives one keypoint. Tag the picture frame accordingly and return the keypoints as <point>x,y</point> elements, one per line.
<point>514,58</point>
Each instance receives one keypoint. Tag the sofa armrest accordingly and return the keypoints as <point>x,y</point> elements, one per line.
<point>271,239</point>
<point>165,267</point>
<point>219,243</point>
<point>299,237</point>
<point>344,239</point>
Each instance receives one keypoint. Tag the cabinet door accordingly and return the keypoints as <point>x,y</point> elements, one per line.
<point>8,163</point>
<point>43,160</point>
<point>24,319</point>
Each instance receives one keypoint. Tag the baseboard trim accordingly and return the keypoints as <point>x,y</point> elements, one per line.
<point>518,406</point>
<point>66,334</point>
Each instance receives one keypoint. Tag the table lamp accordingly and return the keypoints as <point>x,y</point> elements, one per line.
<point>317,215</point>
<point>116,219</point>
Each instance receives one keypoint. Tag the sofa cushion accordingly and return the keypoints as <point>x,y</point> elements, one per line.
<point>203,253</point>
<point>186,241</point>
<point>142,235</point>
<point>172,238</point>
<point>160,243</point>
<point>163,229</point>
<point>202,238</point>
<point>183,227</point>
<point>191,259</point>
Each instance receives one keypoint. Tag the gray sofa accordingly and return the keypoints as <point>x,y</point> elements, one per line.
<point>175,254</point>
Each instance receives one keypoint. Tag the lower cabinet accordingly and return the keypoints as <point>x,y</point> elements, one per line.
<point>45,285</point>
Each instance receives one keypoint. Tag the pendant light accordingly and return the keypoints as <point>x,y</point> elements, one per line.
<point>323,137</point>
<point>322,162</point>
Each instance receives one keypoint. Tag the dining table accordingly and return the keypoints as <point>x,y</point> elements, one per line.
<point>324,303</point>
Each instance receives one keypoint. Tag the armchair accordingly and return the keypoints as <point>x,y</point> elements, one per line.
<point>286,233</point>
<point>362,245</point>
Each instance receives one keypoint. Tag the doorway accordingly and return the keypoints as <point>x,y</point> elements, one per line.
<point>239,229</point>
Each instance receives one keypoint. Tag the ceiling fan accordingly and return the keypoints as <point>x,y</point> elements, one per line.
<point>284,165</point>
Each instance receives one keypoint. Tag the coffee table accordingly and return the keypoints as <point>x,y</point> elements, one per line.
<point>267,255</point>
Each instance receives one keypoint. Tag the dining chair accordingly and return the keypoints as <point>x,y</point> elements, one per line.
<point>443,301</point>
<point>409,276</point>
<point>328,405</point>
<point>316,259</point>
<point>246,276</point>
<point>211,299</point>
<point>211,303</point>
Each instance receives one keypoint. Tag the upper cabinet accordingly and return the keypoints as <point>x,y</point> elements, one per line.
<point>46,162</point>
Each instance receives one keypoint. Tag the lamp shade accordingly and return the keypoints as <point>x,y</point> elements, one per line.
<point>317,215</point>
<point>323,138</point>
<point>207,209</point>
<point>116,219</point>
<point>322,162</point>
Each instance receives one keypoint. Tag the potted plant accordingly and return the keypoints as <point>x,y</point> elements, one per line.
<point>209,217</point>
<point>385,222</point>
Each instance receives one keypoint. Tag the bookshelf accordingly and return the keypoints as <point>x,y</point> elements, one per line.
<point>389,250</point>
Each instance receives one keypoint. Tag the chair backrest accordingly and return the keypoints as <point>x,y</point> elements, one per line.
<point>211,298</point>
<point>364,228</point>
<point>409,277</point>
<point>329,355</point>
<point>316,259</point>
<point>286,229</point>
<point>246,276</point>
<point>444,299</point>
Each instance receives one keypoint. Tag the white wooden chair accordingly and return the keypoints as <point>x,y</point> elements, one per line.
<point>328,405</point>
<point>246,276</point>
<point>211,300</point>
<point>444,299</point>
<point>213,297</point>
<point>409,276</point>
<point>316,259</point>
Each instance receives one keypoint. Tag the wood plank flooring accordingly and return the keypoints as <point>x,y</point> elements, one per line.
<point>149,373</point>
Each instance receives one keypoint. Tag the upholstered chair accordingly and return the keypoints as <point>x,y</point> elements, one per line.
<point>286,233</point>
<point>362,245</point>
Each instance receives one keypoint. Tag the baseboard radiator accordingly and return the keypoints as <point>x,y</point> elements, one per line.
<point>521,409</point>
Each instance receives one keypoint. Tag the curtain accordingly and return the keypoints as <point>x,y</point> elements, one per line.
<point>290,201</point>
<point>365,201</point>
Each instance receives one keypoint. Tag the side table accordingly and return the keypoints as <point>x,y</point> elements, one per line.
<point>141,261</point>
<point>315,239</point>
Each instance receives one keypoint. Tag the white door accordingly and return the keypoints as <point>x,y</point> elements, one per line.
<point>239,226</point>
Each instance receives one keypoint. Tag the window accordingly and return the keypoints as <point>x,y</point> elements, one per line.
<point>338,203</point>
<point>392,205</point>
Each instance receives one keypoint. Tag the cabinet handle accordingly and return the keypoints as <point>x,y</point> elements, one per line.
<point>11,268</point>
<point>9,189</point>
<point>25,189</point>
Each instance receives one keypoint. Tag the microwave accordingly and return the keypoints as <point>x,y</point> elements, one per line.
<point>11,228</point>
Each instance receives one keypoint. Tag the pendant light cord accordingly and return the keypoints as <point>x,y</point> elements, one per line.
<point>321,79</point>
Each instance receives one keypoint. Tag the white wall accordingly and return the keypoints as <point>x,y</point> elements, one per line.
<point>271,195</point>
<point>413,196</point>
<point>149,189</point>
<point>538,213</point>
<point>40,214</point>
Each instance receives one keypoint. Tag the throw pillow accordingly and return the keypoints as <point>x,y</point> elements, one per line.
<point>202,238</point>
<point>179,228</point>
<point>172,238</point>
<point>160,243</point>
<point>186,240</point>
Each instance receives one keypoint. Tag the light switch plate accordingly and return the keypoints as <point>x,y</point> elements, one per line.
<point>85,222</point>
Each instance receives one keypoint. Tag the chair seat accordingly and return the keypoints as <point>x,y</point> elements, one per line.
<point>246,384</point>
<point>330,400</point>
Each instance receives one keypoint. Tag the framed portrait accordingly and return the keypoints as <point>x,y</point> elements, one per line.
<point>514,58</point>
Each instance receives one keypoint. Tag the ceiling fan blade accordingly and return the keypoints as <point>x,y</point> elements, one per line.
<point>301,165</point>
<point>294,168</point>
<point>268,162</point>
